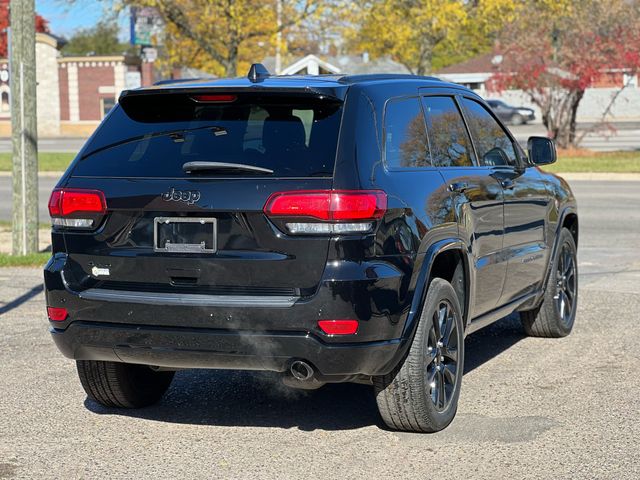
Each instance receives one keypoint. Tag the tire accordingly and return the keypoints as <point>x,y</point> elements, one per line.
<point>122,385</point>
<point>517,119</point>
<point>555,317</point>
<point>421,394</point>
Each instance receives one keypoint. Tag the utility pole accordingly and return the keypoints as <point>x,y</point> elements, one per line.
<point>278,36</point>
<point>24,135</point>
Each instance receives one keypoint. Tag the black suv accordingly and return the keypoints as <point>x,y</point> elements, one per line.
<point>330,228</point>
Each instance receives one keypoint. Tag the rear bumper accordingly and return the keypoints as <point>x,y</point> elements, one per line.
<point>238,332</point>
<point>209,348</point>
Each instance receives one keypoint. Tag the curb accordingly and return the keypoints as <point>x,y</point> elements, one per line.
<point>593,176</point>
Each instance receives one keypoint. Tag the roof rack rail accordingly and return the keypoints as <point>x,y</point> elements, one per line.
<point>169,81</point>
<point>257,73</point>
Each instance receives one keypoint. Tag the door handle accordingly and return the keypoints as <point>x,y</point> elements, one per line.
<point>507,184</point>
<point>458,187</point>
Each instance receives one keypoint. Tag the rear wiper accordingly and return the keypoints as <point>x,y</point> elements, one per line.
<point>220,166</point>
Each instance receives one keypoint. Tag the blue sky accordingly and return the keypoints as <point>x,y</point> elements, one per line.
<point>65,17</point>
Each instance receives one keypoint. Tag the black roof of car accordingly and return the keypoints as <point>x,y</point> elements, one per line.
<point>333,85</point>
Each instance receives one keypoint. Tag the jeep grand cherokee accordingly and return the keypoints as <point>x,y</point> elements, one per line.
<point>330,228</point>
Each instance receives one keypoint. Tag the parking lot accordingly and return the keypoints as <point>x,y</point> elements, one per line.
<point>530,408</point>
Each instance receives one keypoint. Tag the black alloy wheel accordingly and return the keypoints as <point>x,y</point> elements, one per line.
<point>442,356</point>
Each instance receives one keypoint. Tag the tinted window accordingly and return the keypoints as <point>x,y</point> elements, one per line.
<point>156,135</point>
<point>493,145</point>
<point>405,134</point>
<point>448,138</point>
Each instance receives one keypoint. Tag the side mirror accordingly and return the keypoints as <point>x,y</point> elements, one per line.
<point>542,150</point>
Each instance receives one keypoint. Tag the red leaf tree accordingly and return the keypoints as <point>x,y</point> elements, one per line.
<point>41,26</point>
<point>554,51</point>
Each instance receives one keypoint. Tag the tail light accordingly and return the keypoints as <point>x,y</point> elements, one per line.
<point>77,208</point>
<point>319,212</point>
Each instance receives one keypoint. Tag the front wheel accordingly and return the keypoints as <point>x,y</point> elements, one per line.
<point>421,394</point>
<point>556,315</point>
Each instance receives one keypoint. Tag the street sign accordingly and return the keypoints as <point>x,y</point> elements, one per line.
<point>147,27</point>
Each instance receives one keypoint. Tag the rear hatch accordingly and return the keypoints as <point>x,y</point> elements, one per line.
<point>185,178</point>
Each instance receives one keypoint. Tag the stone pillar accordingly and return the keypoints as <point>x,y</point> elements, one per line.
<point>48,89</point>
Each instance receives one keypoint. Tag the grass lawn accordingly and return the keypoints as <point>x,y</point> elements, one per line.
<point>568,161</point>
<point>47,161</point>
<point>31,260</point>
<point>587,161</point>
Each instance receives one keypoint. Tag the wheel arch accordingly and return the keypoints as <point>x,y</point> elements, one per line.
<point>570,222</point>
<point>437,257</point>
<point>447,259</point>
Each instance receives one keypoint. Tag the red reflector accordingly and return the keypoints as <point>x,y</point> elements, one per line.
<point>329,204</point>
<point>214,98</point>
<point>338,327</point>
<point>67,201</point>
<point>57,314</point>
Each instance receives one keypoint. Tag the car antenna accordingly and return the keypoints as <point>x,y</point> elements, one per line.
<point>257,73</point>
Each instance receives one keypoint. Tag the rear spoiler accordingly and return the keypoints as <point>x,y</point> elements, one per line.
<point>180,103</point>
<point>185,88</point>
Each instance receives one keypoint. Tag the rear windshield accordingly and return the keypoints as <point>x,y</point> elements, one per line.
<point>155,135</point>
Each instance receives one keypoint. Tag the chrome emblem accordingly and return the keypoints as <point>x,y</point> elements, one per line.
<point>188,196</point>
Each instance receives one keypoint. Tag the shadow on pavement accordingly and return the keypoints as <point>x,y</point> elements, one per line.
<point>486,344</point>
<point>25,297</point>
<point>257,399</point>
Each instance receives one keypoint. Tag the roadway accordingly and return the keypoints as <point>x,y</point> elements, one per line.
<point>621,136</point>
<point>530,408</point>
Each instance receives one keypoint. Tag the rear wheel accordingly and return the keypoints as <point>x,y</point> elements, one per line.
<point>556,315</point>
<point>421,394</point>
<point>123,385</point>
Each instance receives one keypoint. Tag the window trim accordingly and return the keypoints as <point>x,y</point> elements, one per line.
<point>454,97</point>
<point>386,165</point>
<point>521,162</point>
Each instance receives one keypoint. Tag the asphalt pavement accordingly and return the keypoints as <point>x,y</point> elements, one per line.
<point>45,186</point>
<point>616,136</point>
<point>53,144</point>
<point>530,408</point>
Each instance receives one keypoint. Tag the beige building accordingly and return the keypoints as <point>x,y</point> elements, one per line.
<point>73,93</point>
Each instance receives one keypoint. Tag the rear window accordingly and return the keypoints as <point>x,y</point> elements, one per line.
<point>155,135</point>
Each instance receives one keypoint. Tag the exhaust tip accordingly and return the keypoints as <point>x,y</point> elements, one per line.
<point>301,370</point>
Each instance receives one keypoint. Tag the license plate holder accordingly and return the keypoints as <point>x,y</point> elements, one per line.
<point>185,235</point>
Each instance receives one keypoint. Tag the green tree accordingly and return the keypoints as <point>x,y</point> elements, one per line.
<point>101,39</point>
<point>224,36</point>
<point>409,31</point>
<point>426,35</point>
<point>485,21</point>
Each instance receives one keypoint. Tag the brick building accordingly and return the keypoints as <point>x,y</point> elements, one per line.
<point>73,93</point>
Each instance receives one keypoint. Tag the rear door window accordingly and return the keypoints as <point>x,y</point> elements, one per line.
<point>493,145</point>
<point>448,138</point>
<point>405,135</point>
<point>154,137</point>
